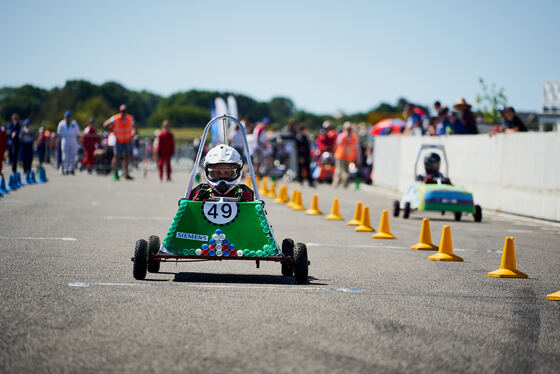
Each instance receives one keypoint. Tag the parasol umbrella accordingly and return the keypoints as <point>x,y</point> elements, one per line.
<point>382,127</point>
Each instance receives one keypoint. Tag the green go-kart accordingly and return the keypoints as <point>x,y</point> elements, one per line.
<point>436,196</point>
<point>221,229</point>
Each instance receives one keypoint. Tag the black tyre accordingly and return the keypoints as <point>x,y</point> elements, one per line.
<point>140,259</point>
<point>406,210</point>
<point>477,213</point>
<point>288,250</point>
<point>396,208</point>
<point>458,216</point>
<point>301,266</point>
<point>153,248</point>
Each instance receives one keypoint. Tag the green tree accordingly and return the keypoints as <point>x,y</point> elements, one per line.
<point>491,99</point>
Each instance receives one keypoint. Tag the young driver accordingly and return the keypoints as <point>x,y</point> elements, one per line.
<point>222,169</point>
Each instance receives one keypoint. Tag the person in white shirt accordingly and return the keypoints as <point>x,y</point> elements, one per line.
<point>68,132</point>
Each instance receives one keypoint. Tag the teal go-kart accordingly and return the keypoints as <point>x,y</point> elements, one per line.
<point>438,195</point>
<point>223,229</point>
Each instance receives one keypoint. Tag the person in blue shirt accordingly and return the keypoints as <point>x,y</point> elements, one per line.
<point>443,126</point>
<point>457,125</point>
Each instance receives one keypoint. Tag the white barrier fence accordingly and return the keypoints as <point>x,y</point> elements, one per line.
<point>514,173</point>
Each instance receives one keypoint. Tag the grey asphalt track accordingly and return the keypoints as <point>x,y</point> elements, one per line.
<point>69,302</point>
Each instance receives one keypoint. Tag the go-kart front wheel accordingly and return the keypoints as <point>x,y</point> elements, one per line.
<point>477,213</point>
<point>396,208</point>
<point>288,250</point>
<point>406,210</point>
<point>140,264</point>
<point>458,216</point>
<point>301,267</point>
<point>153,248</point>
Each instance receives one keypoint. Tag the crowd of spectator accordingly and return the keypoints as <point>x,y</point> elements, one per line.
<point>331,155</point>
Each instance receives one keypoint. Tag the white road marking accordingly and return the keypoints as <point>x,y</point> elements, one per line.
<point>36,238</point>
<point>219,286</point>
<point>138,218</point>
<point>334,245</point>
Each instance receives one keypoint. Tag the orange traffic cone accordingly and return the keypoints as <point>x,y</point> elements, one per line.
<point>365,224</point>
<point>314,210</point>
<point>425,240</point>
<point>282,195</point>
<point>298,205</point>
<point>357,215</point>
<point>335,212</point>
<point>445,252</point>
<point>263,190</point>
<point>293,200</point>
<point>508,266</point>
<point>272,191</point>
<point>248,182</point>
<point>257,181</point>
<point>553,296</point>
<point>384,227</point>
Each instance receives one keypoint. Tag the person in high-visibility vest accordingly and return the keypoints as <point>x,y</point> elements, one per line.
<point>123,126</point>
<point>347,150</point>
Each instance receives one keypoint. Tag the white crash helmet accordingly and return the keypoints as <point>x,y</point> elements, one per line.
<point>222,168</point>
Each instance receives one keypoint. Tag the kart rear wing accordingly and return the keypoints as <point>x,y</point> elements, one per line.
<point>225,119</point>
<point>440,148</point>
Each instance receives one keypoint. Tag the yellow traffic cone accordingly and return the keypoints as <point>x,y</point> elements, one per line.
<point>314,210</point>
<point>293,200</point>
<point>263,190</point>
<point>357,215</point>
<point>553,296</point>
<point>248,182</point>
<point>335,212</point>
<point>257,181</point>
<point>425,241</point>
<point>445,252</point>
<point>365,224</point>
<point>298,204</point>
<point>272,191</point>
<point>282,195</point>
<point>508,266</point>
<point>384,227</point>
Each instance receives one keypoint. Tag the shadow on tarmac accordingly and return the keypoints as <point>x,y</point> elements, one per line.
<point>239,278</point>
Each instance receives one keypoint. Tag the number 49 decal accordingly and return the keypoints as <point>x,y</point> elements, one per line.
<point>220,213</point>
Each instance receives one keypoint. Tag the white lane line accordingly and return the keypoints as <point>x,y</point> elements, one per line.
<point>138,218</point>
<point>36,238</point>
<point>331,245</point>
<point>219,286</point>
<point>334,245</point>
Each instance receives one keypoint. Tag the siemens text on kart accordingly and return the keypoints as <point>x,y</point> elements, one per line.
<point>222,169</point>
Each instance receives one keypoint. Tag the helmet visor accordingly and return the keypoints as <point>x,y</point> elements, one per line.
<point>223,172</point>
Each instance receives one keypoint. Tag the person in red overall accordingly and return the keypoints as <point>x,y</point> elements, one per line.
<point>165,149</point>
<point>222,170</point>
<point>89,141</point>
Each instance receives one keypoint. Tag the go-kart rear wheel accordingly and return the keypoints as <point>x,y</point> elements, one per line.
<point>301,266</point>
<point>477,213</point>
<point>153,248</point>
<point>458,216</point>
<point>396,208</point>
<point>140,264</point>
<point>406,210</point>
<point>288,250</point>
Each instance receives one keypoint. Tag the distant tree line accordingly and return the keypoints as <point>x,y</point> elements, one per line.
<point>184,109</point>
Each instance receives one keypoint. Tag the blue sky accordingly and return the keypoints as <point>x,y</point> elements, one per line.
<point>327,56</point>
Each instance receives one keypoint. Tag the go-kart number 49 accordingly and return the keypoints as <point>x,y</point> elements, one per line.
<point>220,213</point>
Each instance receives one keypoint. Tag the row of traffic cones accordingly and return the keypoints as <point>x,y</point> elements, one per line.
<point>508,264</point>
<point>361,219</point>
<point>15,182</point>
